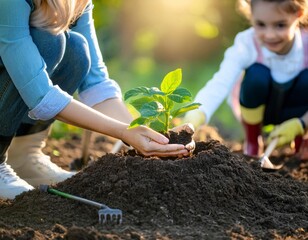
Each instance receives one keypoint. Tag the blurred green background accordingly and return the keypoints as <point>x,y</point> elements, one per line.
<point>142,40</point>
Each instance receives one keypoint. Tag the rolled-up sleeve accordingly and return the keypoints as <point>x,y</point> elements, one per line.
<point>24,63</point>
<point>97,86</point>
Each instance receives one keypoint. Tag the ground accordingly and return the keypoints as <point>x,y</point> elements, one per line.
<point>217,193</point>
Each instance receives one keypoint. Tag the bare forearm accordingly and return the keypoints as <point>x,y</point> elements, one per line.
<point>114,108</point>
<point>80,115</point>
<point>143,139</point>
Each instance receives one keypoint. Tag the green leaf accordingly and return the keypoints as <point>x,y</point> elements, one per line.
<point>183,92</point>
<point>157,126</point>
<point>160,99</point>
<point>144,91</point>
<point>158,106</point>
<point>180,95</point>
<point>171,81</point>
<point>137,122</point>
<point>178,98</point>
<point>56,153</point>
<point>185,109</point>
<point>151,109</point>
<point>155,91</point>
<point>138,103</point>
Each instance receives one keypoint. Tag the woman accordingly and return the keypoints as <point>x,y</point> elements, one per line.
<point>48,50</point>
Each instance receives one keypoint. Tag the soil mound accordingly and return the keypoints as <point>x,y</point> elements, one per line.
<point>215,194</point>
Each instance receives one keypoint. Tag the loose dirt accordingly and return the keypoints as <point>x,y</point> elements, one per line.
<point>218,193</point>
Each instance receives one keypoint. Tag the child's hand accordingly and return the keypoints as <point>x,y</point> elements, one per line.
<point>151,143</point>
<point>286,131</point>
<point>195,117</point>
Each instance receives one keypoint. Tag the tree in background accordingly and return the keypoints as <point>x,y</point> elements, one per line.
<point>167,30</point>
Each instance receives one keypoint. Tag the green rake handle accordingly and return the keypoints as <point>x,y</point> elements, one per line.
<point>105,213</point>
<point>80,199</point>
<point>46,188</point>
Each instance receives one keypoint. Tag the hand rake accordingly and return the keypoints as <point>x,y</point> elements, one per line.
<point>105,213</point>
<point>265,163</point>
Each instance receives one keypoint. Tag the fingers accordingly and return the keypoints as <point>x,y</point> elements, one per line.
<point>168,150</point>
<point>287,131</point>
<point>283,138</point>
<point>188,127</point>
<point>151,135</point>
<point>282,141</point>
<point>177,154</point>
<point>149,143</point>
<point>191,146</point>
<point>269,139</point>
<point>274,134</point>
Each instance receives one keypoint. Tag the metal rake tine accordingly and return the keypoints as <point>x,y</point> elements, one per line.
<point>106,217</point>
<point>109,214</point>
<point>117,217</point>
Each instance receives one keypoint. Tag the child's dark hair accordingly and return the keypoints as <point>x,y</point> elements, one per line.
<point>288,6</point>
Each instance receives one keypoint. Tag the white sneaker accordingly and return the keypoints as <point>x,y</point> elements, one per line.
<point>31,164</point>
<point>10,184</point>
<point>40,170</point>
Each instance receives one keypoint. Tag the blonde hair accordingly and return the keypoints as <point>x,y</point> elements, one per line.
<point>56,15</point>
<point>288,6</point>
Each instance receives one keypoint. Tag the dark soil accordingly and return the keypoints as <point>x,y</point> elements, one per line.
<point>181,137</point>
<point>216,194</point>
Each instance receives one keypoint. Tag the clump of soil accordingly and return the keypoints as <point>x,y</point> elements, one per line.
<point>214,194</point>
<point>182,137</point>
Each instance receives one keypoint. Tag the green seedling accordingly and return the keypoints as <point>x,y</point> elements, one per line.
<point>157,107</point>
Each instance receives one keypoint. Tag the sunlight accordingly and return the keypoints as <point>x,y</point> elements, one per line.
<point>176,3</point>
<point>170,29</point>
<point>205,29</point>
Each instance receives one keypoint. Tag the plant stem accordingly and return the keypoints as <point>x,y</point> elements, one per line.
<point>167,115</point>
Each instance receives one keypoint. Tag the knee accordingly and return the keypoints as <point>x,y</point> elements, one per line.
<point>255,87</point>
<point>45,41</point>
<point>257,78</point>
<point>302,79</point>
<point>77,51</point>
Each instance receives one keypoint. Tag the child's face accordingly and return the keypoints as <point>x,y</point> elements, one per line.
<point>275,29</point>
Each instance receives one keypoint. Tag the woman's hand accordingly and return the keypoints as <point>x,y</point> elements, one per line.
<point>188,127</point>
<point>151,143</point>
<point>143,139</point>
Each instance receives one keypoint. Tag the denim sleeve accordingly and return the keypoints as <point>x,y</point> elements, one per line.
<point>97,86</point>
<point>24,63</point>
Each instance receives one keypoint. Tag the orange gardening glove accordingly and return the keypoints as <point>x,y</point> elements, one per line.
<point>286,131</point>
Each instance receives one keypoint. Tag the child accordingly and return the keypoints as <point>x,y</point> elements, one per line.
<point>273,54</point>
<point>48,50</point>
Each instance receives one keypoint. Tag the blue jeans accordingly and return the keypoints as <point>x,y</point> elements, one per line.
<point>282,101</point>
<point>67,59</point>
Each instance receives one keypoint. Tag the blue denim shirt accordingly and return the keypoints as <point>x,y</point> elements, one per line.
<point>28,69</point>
